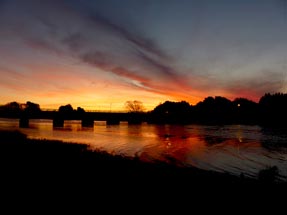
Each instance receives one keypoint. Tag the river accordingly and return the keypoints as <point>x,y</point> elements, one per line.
<point>234,149</point>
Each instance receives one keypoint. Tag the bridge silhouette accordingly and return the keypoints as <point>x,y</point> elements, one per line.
<point>87,118</point>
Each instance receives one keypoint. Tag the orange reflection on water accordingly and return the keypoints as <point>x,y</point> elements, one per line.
<point>233,148</point>
<point>174,145</point>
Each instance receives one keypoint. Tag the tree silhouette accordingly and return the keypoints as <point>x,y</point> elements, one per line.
<point>15,106</point>
<point>134,106</point>
<point>80,110</point>
<point>245,111</point>
<point>12,109</point>
<point>32,108</point>
<point>273,109</point>
<point>217,110</point>
<point>171,113</point>
<point>67,109</point>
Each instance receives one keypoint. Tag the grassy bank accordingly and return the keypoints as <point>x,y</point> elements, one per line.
<point>55,166</point>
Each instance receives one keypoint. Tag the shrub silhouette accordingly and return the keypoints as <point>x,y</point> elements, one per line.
<point>268,175</point>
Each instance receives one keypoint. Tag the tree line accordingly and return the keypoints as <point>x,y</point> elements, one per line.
<point>270,110</point>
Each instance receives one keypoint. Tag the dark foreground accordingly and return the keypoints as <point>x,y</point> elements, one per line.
<point>41,168</point>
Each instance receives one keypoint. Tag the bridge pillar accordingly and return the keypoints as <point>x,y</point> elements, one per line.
<point>134,119</point>
<point>134,122</point>
<point>58,122</point>
<point>113,122</point>
<point>24,122</point>
<point>87,122</point>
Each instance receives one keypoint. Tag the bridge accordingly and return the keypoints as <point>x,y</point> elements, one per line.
<point>87,118</point>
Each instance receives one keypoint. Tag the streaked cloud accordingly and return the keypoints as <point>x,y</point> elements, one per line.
<point>187,51</point>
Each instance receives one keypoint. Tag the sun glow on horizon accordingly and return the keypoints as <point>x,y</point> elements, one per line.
<point>52,53</point>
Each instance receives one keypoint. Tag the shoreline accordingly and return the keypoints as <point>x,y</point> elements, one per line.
<point>39,164</point>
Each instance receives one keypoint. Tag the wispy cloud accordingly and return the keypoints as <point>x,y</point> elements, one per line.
<point>104,62</point>
<point>267,82</point>
<point>138,41</point>
<point>141,54</point>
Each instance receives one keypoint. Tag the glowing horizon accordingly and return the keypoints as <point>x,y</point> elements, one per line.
<point>99,54</point>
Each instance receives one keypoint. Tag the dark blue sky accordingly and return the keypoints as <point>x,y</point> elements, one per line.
<point>103,52</point>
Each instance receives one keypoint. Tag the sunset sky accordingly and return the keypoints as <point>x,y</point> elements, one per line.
<point>97,54</point>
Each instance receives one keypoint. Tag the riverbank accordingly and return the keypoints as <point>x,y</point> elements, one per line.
<point>59,167</point>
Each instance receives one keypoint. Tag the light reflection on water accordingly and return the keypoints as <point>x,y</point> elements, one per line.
<point>234,148</point>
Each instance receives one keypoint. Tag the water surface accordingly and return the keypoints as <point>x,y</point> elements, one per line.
<point>232,148</point>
